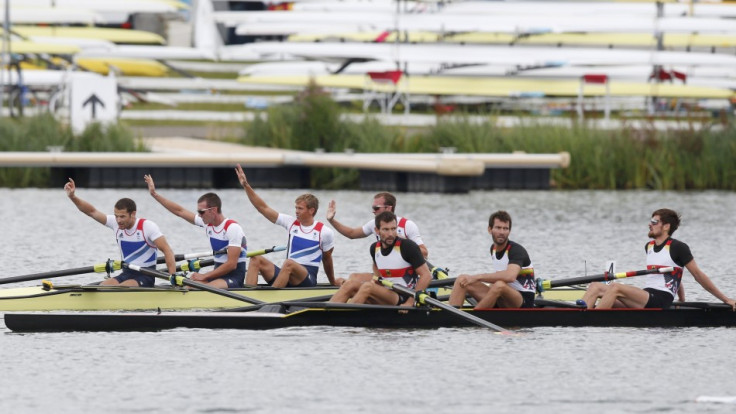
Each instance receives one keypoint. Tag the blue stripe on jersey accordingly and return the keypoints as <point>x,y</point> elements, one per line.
<point>134,250</point>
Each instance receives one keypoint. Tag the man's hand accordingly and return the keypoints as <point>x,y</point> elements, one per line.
<point>151,185</point>
<point>70,187</point>
<point>241,176</point>
<point>331,210</point>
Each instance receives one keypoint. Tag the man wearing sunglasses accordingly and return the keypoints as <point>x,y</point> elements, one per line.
<point>661,289</point>
<point>310,243</point>
<point>139,239</point>
<point>222,232</point>
<point>406,229</point>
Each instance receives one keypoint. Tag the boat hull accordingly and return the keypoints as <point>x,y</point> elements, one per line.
<point>96,297</point>
<point>367,316</point>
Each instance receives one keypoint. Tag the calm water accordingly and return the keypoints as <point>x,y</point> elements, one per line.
<point>316,370</point>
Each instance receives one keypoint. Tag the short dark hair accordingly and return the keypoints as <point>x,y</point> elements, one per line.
<point>212,200</point>
<point>500,215</point>
<point>668,217</point>
<point>310,200</point>
<point>126,204</point>
<point>388,199</point>
<point>384,217</point>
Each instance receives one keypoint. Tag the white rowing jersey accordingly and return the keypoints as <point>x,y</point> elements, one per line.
<point>672,253</point>
<point>516,254</point>
<point>136,244</point>
<point>405,228</point>
<point>399,263</point>
<point>228,234</point>
<point>306,243</point>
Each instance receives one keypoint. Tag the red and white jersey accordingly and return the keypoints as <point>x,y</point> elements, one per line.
<point>668,282</point>
<point>228,233</point>
<point>394,265</point>
<point>406,229</point>
<point>137,243</point>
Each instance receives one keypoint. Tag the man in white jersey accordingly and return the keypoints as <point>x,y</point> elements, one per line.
<point>222,232</point>
<point>310,242</point>
<point>406,229</point>
<point>660,290</point>
<point>510,284</point>
<point>396,259</point>
<point>139,239</point>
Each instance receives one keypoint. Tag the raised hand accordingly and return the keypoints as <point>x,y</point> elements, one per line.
<point>241,175</point>
<point>331,210</point>
<point>70,187</point>
<point>151,185</point>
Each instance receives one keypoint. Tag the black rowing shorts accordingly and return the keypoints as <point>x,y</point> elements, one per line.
<point>659,299</point>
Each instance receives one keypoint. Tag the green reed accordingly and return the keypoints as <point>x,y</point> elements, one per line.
<point>45,133</point>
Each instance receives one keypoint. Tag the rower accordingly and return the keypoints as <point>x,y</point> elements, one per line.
<point>222,232</point>
<point>511,284</point>
<point>399,260</point>
<point>139,239</point>
<point>310,243</point>
<point>660,290</point>
<point>406,229</point>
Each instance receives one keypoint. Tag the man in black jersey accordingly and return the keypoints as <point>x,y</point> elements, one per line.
<point>660,290</point>
<point>510,284</point>
<point>396,259</point>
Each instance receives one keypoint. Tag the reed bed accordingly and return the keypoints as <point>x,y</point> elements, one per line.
<point>626,158</point>
<point>44,133</point>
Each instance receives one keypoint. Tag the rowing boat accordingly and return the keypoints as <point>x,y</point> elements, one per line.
<point>301,314</point>
<point>98,297</point>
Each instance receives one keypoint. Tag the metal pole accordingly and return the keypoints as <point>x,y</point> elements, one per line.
<point>4,60</point>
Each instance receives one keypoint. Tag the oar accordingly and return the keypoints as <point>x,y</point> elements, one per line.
<point>424,298</point>
<point>193,265</point>
<point>108,266</point>
<point>182,280</point>
<point>112,265</point>
<point>545,284</point>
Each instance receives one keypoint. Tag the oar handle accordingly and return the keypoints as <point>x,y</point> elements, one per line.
<point>546,284</point>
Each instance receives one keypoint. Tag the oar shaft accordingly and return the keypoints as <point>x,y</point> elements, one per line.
<point>543,285</point>
<point>426,299</point>
<point>188,282</point>
<point>96,268</point>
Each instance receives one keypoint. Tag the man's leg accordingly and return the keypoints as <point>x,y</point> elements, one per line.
<point>350,287</point>
<point>375,294</point>
<point>619,295</point>
<point>258,265</point>
<point>291,274</point>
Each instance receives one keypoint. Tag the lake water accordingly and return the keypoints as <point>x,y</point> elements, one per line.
<point>318,370</point>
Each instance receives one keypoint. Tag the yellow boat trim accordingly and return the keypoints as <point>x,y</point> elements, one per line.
<point>100,33</point>
<point>126,66</point>
<point>500,87</point>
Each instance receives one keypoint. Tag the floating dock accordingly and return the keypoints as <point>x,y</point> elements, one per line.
<point>192,163</point>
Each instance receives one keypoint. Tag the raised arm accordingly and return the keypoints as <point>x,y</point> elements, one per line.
<point>168,204</point>
<point>708,284</point>
<point>257,201</point>
<point>349,232</point>
<point>82,205</point>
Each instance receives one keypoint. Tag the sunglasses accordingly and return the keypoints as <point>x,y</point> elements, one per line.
<point>376,208</point>
<point>202,211</point>
<point>654,222</point>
